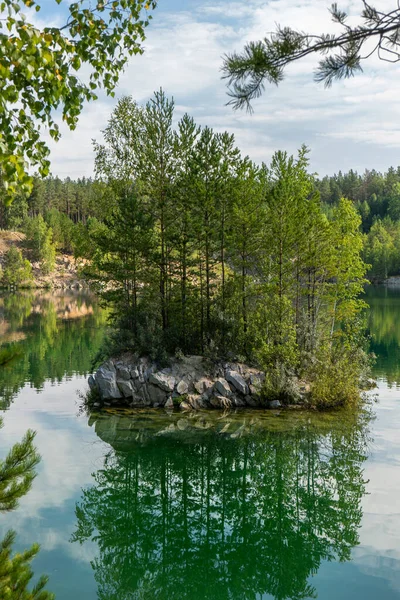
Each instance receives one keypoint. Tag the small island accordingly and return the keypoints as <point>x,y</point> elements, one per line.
<point>230,283</point>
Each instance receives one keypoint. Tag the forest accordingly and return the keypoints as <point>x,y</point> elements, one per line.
<point>71,208</point>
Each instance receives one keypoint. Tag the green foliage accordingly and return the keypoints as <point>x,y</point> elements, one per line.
<point>377,199</point>
<point>60,332</point>
<point>16,573</point>
<point>336,378</point>
<point>384,330</point>
<point>17,270</point>
<point>9,353</point>
<point>39,74</point>
<point>39,239</point>
<point>17,472</point>
<point>207,253</point>
<point>382,249</point>
<point>265,60</point>
<point>62,228</point>
<point>280,384</point>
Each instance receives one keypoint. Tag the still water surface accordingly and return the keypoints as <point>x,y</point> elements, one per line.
<point>250,506</point>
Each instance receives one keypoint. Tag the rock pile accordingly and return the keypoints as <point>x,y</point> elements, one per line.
<point>190,383</point>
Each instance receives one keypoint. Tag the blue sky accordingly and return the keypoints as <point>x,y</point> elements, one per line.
<point>355,124</point>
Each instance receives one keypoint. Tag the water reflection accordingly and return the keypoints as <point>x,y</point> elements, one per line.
<point>58,333</point>
<point>233,508</point>
<point>384,326</point>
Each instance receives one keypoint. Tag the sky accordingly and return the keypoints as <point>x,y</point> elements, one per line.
<point>355,124</point>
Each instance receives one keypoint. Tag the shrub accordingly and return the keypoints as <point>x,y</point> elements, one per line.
<point>336,379</point>
<point>280,384</point>
<point>17,270</point>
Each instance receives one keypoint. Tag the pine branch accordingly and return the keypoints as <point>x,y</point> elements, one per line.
<point>264,61</point>
<point>17,472</point>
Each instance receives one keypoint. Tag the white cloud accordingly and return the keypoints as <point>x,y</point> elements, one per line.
<point>343,125</point>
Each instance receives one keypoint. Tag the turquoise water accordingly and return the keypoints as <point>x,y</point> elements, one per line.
<point>151,506</point>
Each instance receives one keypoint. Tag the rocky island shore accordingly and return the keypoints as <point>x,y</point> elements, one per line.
<point>188,383</point>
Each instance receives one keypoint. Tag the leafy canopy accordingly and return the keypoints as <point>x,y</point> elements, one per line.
<point>265,60</point>
<point>39,70</point>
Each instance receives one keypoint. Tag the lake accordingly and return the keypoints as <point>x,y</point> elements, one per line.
<point>249,506</point>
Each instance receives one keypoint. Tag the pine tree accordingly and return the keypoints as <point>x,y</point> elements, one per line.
<point>17,472</point>
<point>185,306</point>
<point>245,252</point>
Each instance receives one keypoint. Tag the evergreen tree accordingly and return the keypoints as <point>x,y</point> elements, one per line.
<point>246,251</point>
<point>17,472</point>
<point>185,303</point>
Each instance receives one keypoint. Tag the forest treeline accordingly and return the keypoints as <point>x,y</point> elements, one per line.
<point>70,207</point>
<point>376,197</point>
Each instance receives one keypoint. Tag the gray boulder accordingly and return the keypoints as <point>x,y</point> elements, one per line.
<point>202,385</point>
<point>125,387</point>
<point>92,382</point>
<point>237,381</point>
<point>134,373</point>
<point>107,382</point>
<point>143,397</point>
<point>195,401</point>
<point>254,390</point>
<point>169,403</point>
<point>252,401</point>
<point>220,402</point>
<point>185,406</point>
<point>221,388</point>
<point>238,401</point>
<point>156,394</point>
<point>182,387</point>
<point>274,404</point>
<point>123,372</point>
<point>163,381</point>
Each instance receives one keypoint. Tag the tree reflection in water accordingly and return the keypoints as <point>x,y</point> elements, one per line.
<point>234,508</point>
<point>58,334</point>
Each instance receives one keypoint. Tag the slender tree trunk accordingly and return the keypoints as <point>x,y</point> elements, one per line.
<point>163,267</point>
<point>244,274</point>
<point>223,258</point>
<point>201,301</point>
<point>184,292</point>
<point>208,276</point>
